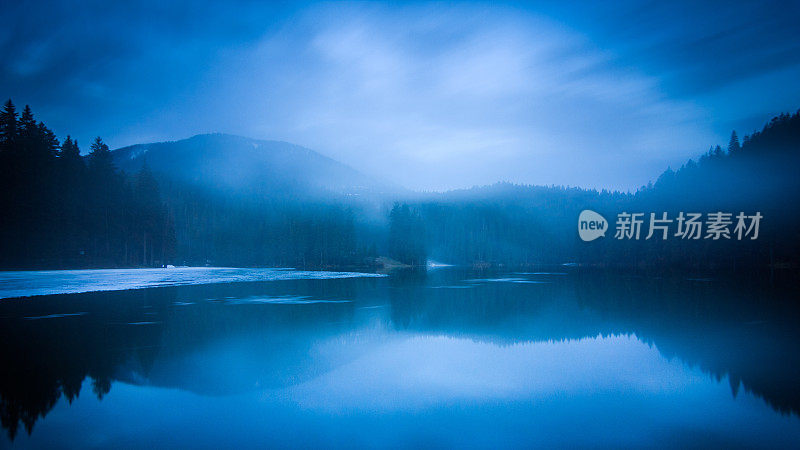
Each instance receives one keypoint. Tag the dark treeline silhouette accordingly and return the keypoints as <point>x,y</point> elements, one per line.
<point>246,232</point>
<point>406,236</point>
<point>61,209</point>
<point>64,210</point>
<point>498,225</point>
<point>46,360</point>
<point>227,200</point>
<point>515,225</point>
<point>245,202</point>
<point>718,327</point>
<point>506,224</point>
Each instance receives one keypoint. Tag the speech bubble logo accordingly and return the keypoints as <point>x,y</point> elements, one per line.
<point>591,225</point>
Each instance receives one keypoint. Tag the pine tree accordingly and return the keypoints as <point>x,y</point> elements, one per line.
<point>71,166</point>
<point>70,191</point>
<point>47,141</point>
<point>8,124</point>
<point>8,183</point>
<point>105,191</point>
<point>733,144</point>
<point>100,160</point>
<point>69,150</point>
<point>27,123</point>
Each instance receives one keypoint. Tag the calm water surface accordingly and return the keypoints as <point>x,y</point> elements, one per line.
<point>444,359</point>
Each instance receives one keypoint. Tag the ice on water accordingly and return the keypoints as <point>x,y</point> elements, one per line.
<point>32,283</point>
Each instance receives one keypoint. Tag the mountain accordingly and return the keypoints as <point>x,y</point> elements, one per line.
<point>225,163</point>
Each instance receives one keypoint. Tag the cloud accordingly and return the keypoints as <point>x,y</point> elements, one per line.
<point>430,96</point>
<point>496,97</point>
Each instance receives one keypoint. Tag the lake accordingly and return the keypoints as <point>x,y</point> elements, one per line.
<point>227,358</point>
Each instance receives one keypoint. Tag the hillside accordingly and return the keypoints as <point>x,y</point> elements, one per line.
<point>232,164</point>
<point>228,200</point>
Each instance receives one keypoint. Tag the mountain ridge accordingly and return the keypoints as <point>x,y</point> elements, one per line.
<point>239,164</point>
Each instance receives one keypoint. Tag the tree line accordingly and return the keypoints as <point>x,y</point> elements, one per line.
<point>61,209</point>
<point>517,225</point>
<point>230,230</point>
<point>64,210</point>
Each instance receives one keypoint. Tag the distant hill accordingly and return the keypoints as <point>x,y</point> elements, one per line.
<point>234,164</point>
<point>228,200</point>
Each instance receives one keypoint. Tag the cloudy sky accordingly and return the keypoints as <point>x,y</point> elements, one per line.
<point>430,96</point>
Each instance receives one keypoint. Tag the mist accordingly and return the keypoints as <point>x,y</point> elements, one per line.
<point>430,97</point>
<point>255,224</point>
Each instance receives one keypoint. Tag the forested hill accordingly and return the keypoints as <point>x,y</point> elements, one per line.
<point>233,164</point>
<point>513,225</point>
<point>227,200</point>
<point>244,202</point>
<point>761,170</point>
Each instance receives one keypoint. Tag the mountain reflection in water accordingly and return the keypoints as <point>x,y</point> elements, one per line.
<point>444,358</point>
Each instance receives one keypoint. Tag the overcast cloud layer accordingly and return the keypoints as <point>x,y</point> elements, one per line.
<point>431,97</point>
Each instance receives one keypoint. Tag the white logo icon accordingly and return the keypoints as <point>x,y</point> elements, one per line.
<point>591,225</point>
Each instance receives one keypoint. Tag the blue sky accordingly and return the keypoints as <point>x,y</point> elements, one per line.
<point>430,96</point>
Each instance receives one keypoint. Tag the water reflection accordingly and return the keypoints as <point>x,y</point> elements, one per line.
<point>523,346</point>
